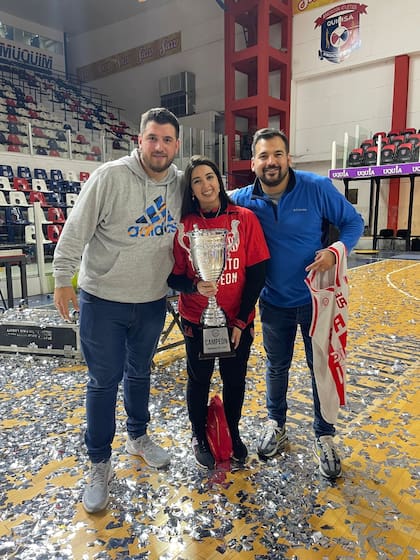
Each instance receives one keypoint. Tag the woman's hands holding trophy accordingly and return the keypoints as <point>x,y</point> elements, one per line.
<point>206,288</point>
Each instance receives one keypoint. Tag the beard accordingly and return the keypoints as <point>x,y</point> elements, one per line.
<point>157,167</point>
<point>273,181</point>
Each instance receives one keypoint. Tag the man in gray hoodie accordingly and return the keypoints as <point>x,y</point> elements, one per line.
<point>119,236</point>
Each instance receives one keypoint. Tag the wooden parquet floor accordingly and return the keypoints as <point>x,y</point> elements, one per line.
<point>280,509</point>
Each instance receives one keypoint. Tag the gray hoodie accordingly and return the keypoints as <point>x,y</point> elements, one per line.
<point>122,225</point>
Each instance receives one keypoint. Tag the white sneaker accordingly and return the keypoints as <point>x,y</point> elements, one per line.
<point>153,454</point>
<point>96,494</point>
<point>272,439</point>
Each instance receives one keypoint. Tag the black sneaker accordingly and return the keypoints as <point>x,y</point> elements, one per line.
<point>202,453</point>
<point>240,452</point>
<point>326,453</point>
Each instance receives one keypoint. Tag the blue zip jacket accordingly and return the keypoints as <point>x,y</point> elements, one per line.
<point>294,230</point>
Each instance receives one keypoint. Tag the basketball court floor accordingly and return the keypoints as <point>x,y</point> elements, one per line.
<point>279,509</point>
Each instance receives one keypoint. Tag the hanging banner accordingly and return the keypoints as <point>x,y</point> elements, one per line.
<point>340,33</point>
<point>300,6</point>
<point>165,46</point>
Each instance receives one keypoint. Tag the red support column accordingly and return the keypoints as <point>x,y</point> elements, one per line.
<point>399,116</point>
<point>258,57</point>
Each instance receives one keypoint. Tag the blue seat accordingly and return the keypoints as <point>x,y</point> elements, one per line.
<point>6,171</point>
<point>40,173</point>
<point>24,172</point>
<point>56,175</point>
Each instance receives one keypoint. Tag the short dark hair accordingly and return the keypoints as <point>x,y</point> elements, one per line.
<point>160,115</point>
<point>191,205</point>
<point>266,134</point>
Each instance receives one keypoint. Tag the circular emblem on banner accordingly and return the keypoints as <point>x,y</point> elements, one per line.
<point>339,36</point>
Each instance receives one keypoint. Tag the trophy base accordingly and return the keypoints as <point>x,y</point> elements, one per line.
<point>216,343</point>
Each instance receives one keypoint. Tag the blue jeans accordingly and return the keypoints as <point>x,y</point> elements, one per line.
<point>118,341</point>
<point>279,327</point>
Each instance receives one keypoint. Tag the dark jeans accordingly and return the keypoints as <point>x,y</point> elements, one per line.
<point>232,372</point>
<point>279,327</point>
<point>118,342</point>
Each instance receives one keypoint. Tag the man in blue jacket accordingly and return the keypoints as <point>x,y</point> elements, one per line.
<point>293,208</point>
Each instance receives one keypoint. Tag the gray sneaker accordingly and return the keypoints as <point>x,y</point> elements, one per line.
<point>273,438</point>
<point>143,446</point>
<point>328,459</point>
<point>96,494</point>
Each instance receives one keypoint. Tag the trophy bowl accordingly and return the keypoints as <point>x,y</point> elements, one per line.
<point>208,255</point>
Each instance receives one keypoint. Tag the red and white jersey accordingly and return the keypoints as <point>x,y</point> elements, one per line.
<point>329,292</point>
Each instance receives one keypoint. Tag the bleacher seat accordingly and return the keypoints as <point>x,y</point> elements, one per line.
<point>404,153</point>
<point>38,196</point>
<point>56,215</point>
<point>39,185</point>
<point>355,158</point>
<point>17,198</point>
<point>388,154</point>
<point>371,156</point>
<point>84,176</point>
<point>3,200</point>
<point>414,139</point>
<point>5,184</point>
<point>56,175</point>
<point>384,139</point>
<point>392,134</point>
<point>21,184</point>
<point>408,132</point>
<point>13,148</point>
<point>23,171</point>
<point>40,173</point>
<point>6,171</point>
<point>54,232</point>
<point>30,238</point>
<point>71,199</point>
<point>368,143</point>
<point>397,140</point>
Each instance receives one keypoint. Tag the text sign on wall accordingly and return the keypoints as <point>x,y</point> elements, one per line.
<point>300,6</point>
<point>165,46</point>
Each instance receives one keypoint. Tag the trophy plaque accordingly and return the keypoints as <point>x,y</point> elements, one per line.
<point>208,251</point>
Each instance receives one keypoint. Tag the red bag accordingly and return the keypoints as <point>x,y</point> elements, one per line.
<point>217,431</point>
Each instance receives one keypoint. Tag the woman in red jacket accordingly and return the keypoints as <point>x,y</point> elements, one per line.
<point>206,205</point>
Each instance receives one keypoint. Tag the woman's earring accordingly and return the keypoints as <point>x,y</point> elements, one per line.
<point>193,196</point>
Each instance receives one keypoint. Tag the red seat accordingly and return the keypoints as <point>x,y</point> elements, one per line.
<point>404,153</point>
<point>367,144</point>
<point>54,232</point>
<point>56,215</point>
<point>371,156</point>
<point>355,158</point>
<point>388,154</point>
<point>414,139</point>
<point>21,184</point>
<point>13,148</point>
<point>12,118</point>
<point>383,135</point>
<point>84,176</point>
<point>38,132</point>
<point>54,153</point>
<point>81,139</point>
<point>38,196</point>
<point>408,132</point>
<point>14,139</point>
<point>397,140</point>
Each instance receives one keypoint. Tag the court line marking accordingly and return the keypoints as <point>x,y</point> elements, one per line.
<point>390,283</point>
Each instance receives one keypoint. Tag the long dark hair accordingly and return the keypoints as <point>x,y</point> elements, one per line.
<point>191,205</point>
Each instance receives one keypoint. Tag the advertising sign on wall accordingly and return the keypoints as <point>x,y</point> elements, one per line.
<point>300,6</point>
<point>165,46</point>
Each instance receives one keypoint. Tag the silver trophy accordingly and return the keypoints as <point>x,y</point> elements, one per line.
<point>208,252</point>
